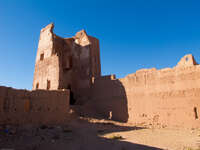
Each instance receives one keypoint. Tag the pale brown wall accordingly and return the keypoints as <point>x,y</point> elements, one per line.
<point>48,68</point>
<point>45,44</point>
<point>33,107</point>
<point>166,96</point>
<point>158,97</point>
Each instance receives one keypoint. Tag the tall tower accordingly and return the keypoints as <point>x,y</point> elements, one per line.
<point>66,63</point>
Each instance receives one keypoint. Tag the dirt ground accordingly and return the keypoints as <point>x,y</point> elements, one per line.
<point>92,134</point>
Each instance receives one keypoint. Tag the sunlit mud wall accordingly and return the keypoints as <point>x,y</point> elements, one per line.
<point>33,107</point>
<point>166,97</point>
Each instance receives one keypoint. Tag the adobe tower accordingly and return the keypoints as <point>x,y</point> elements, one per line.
<point>66,63</point>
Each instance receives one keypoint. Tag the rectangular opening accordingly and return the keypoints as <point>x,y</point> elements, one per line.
<point>42,56</point>
<point>72,101</point>
<point>37,85</point>
<point>48,84</point>
<point>195,113</point>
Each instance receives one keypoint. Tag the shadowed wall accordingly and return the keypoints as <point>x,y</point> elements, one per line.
<point>33,107</point>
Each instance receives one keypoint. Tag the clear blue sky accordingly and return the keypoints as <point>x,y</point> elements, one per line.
<point>133,34</point>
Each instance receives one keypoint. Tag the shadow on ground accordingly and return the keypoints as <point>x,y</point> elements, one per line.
<point>76,135</point>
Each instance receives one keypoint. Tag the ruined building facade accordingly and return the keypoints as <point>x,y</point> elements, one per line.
<point>70,67</point>
<point>66,63</point>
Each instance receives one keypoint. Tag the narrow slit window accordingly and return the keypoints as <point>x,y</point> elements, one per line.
<point>37,85</point>
<point>42,56</point>
<point>196,113</point>
<point>48,84</point>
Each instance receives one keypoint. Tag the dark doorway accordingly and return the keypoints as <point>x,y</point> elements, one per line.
<point>37,85</point>
<point>42,56</point>
<point>72,101</point>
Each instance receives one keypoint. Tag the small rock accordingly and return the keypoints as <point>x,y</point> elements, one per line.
<point>51,127</point>
<point>56,137</point>
<point>42,138</point>
<point>53,141</point>
<point>58,127</point>
<point>13,131</point>
<point>43,127</point>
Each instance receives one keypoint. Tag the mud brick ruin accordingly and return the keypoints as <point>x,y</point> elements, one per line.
<point>66,63</point>
<point>68,72</point>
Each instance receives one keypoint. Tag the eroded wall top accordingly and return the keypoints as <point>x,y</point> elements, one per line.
<point>187,60</point>
<point>45,44</point>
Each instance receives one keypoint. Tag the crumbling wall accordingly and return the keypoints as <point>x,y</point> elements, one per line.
<point>45,44</point>
<point>166,97</point>
<point>79,74</point>
<point>86,60</point>
<point>66,63</point>
<point>33,107</point>
<point>187,60</point>
<point>108,100</point>
<point>46,75</point>
<point>47,71</point>
<point>95,57</point>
